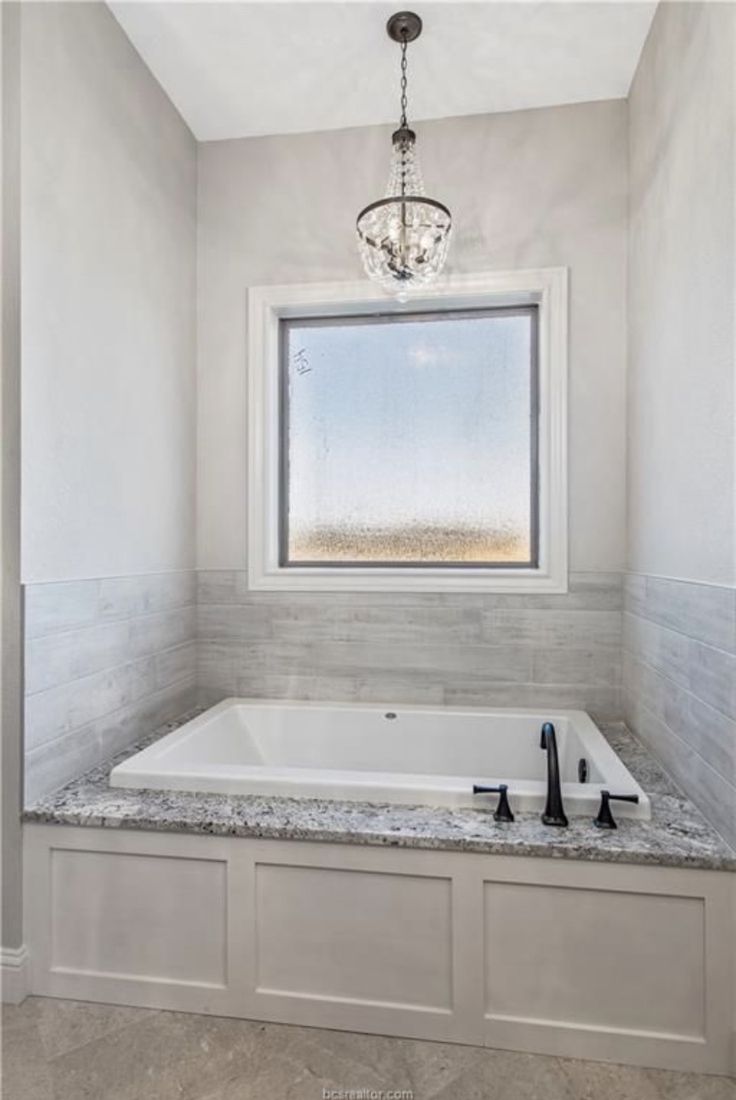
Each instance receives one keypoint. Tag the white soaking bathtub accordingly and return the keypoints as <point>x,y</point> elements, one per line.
<point>381,753</point>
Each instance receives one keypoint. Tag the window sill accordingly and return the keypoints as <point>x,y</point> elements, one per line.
<point>511,581</point>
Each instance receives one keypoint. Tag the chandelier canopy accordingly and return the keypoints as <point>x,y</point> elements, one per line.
<point>403,238</point>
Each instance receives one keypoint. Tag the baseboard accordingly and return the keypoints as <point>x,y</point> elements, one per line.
<point>13,974</point>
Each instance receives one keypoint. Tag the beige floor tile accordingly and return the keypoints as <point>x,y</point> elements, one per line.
<point>169,1057</point>
<point>24,1070</point>
<point>598,1080</point>
<point>65,1050</point>
<point>692,1086</point>
<point>355,1061</point>
<point>380,1062</point>
<point>64,1025</point>
<point>285,1079</point>
<point>507,1075</point>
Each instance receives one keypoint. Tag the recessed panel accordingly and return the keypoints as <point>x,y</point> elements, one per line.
<point>595,958</point>
<point>154,917</point>
<point>354,935</point>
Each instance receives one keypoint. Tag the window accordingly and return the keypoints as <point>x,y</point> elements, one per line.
<point>417,446</point>
<point>409,440</point>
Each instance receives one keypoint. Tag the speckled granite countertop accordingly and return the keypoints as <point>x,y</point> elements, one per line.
<point>676,836</point>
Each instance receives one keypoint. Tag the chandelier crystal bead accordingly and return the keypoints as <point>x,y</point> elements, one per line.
<point>403,238</point>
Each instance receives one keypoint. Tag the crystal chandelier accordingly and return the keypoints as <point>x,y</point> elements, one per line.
<point>403,238</point>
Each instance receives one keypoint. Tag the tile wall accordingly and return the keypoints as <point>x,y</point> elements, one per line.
<point>486,650</point>
<point>104,660</point>
<point>679,686</point>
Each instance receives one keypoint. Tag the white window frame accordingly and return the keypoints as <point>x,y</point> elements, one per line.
<point>545,287</point>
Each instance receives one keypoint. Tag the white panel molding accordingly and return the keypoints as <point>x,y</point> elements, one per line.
<point>385,988</point>
<point>13,974</point>
<point>545,287</point>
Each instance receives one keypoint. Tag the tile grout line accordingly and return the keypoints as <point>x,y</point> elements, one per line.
<point>689,749</point>
<point>675,630</point>
<point>106,669</point>
<point>97,622</point>
<point>685,690</point>
<point>670,679</point>
<point>75,730</point>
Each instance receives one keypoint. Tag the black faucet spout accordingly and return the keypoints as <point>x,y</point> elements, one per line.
<point>554,811</point>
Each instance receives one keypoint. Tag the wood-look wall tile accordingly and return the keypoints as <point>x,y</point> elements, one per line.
<point>54,659</point>
<point>706,730</point>
<point>705,671</point>
<point>597,630</point>
<point>707,788</point>
<point>64,606</point>
<point>704,612</point>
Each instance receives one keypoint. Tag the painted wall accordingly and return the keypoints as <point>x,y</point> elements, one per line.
<point>681,469</point>
<point>679,635</point>
<point>108,238</point>
<point>529,188</point>
<point>11,645</point>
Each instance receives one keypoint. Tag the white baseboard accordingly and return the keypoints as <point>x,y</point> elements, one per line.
<point>13,974</point>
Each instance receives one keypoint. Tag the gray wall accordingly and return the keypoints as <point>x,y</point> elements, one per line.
<point>680,603</point>
<point>10,595</point>
<point>108,239</point>
<point>681,472</point>
<point>530,188</point>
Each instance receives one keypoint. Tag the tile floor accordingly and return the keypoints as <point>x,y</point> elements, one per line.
<point>68,1050</point>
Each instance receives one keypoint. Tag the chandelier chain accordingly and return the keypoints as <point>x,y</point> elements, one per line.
<point>403,122</point>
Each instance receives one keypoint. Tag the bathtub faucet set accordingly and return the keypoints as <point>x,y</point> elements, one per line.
<point>554,810</point>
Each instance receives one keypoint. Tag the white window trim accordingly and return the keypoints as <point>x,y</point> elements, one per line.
<point>546,287</point>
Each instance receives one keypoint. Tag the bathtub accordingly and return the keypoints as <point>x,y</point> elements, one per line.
<point>381,753</point>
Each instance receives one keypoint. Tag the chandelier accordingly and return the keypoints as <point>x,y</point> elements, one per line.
<point>403,238</point>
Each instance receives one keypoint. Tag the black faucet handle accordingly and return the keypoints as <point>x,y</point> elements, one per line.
<point>605,817</point>
<point>503,809</point>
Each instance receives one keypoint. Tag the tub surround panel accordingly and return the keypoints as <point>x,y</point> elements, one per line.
<point>655,928</point>
<point>679,679</point>
<point>484,650</point>
<point>123,884</point>
<point>105,658</point>
<point>292,960</point>
<point>677,834</point>
<point>411,928</point>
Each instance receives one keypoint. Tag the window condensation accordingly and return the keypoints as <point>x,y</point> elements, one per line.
<point>410,440</point>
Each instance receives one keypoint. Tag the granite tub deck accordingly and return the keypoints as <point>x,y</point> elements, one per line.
<point>676,836</point>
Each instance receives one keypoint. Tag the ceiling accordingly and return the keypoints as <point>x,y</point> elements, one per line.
<point>241,69</point>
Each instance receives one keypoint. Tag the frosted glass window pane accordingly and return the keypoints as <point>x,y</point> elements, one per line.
<point>410,440</point>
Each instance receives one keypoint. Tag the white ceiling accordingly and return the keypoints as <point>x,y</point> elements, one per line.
<point>240,69</point>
